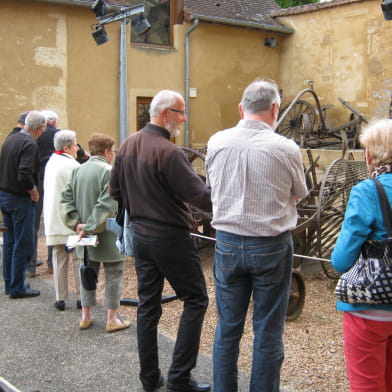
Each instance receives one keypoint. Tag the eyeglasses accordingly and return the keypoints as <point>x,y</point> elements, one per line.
<point>177,111</point>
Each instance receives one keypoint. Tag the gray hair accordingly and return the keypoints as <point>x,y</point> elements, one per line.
<point>50,115</point>
<point>377,139</point>
<point>22,117</point>
<point>35,119</point>
<point>163,100</point>
<point>259,96</point>
<point>64,138</point>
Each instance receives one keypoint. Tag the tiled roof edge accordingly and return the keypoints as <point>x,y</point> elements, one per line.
<point>242,23</point>
<point>312,7</point>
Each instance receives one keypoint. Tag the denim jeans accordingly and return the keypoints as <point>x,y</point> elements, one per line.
<point>178,261</point>
<point>18,216</point>
<point>244,267</point>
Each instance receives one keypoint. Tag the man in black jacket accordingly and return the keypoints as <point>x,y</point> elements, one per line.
<point>19,181</point>
<point>155,181</point>
<point>20,123</point>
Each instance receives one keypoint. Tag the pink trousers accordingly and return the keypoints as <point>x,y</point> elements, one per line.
<point>368,352</point>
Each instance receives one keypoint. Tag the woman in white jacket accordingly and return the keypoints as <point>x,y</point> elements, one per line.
<point>57,174</point>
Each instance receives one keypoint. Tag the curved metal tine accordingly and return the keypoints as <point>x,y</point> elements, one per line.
<point>5,386</point>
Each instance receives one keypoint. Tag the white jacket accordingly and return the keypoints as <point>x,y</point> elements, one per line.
<point>57,174</point>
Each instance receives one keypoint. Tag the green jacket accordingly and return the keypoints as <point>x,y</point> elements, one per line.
<point>85,199</point>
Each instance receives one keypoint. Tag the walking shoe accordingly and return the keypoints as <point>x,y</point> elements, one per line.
<point>83,324</point>
<point>191,386</point>
<point>159,383</point>
<point>117,327</point>
<point>59,305</point>
<point>26,294</point>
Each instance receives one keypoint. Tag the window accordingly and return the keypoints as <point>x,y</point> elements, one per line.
<point>158,13</point>
<point>143,113</point>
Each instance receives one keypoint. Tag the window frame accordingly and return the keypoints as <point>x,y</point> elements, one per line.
<point>173,19</point>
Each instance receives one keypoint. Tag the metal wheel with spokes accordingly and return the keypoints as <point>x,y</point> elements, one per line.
<point>335,189</point>
<point>201,219</point>
<point>299,121</point>
<point>297,296</point>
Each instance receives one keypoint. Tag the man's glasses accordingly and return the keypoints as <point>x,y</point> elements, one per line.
<point>177,111</point>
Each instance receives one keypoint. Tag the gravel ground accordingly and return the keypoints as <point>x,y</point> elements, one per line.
<point>314,360</point>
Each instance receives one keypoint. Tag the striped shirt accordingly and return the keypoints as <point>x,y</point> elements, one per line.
<point>255,176</point>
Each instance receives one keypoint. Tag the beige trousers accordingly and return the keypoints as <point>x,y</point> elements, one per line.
<point>61,260</point>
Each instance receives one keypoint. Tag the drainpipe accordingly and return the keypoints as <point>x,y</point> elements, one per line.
<point>187,79</point>
<point>123,84</point>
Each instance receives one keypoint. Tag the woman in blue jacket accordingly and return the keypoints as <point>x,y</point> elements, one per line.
<point>367,328</point>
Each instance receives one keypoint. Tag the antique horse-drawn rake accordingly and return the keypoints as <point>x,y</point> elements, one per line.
<point>309,125</point>
<point>320,216</point>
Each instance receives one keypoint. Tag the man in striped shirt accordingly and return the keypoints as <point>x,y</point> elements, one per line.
<point>256,175</point>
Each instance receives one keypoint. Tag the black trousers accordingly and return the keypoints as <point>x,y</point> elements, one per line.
<point>178,261</point>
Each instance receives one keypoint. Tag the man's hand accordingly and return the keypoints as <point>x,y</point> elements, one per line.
<point>34,195</point>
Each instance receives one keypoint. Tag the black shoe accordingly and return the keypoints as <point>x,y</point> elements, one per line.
<point>160,382</point>
<point>59,305</point>
<point>79,304</point>
<point>26,294</point>
<point>191,386</point>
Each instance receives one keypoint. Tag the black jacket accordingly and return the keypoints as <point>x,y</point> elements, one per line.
<point>155,181</point>
<point>19,164</point>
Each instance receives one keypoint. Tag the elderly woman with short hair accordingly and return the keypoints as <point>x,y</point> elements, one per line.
<point>87,205</point>
<point>58,171</point>
<point>367,327</point>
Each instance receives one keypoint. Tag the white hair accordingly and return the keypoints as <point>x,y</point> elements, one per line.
<point>163,100</point>
<point>63,138</point>
<point>50,115</point>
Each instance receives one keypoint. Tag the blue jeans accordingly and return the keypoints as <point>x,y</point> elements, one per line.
<point>178,261</point>
<point>18,216</point>
<point>246,266</point>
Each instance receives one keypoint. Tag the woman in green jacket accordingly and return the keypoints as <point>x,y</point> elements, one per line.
<point>86,205</point>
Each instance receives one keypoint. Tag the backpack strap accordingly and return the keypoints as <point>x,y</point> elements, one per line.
<point>385,206</point>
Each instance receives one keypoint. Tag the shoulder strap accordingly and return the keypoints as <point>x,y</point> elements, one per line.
<point>385,206</point>
<point>85,258</point>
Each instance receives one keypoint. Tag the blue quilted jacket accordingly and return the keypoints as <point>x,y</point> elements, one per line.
<point>362,220</point>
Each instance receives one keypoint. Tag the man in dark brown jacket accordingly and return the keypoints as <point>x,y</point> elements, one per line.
<point>154,180</point>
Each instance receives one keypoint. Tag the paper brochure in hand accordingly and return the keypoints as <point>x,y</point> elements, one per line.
<point>74,240</point>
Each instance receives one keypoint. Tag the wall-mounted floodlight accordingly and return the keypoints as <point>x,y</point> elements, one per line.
<point>140,24</point>
<point>271,42</point>
<point>99,34</point>
<point>386,7</point>
<point>100,8</point>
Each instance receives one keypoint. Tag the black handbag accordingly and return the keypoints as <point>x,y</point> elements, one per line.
<point>88,276</point>
<point>369,280</point>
